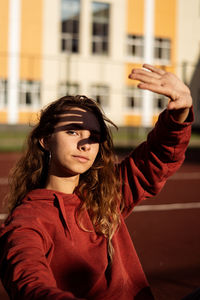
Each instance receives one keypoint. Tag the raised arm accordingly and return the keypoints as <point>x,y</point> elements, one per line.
<point>146,170</point>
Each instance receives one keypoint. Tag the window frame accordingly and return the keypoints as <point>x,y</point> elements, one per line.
<point>100,41</point>
<point>67,87</point>
<point>136,94</point>
<point>159,99</point>
<point>136,41</point>
<point>3,92</point>
<point>70,40</point>
<point>33,89</point>
<point>162,50</point>
<point>98,91</point>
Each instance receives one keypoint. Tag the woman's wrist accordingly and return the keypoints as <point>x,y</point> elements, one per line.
<point>180,115</point>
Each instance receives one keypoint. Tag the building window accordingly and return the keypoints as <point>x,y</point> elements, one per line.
<point>100,27</point>
<point>68,88</point>
<point>29,94</point>
<point>100,93</point>
<point>133,98</point>
<point>135,45</point>
<point>162,49</point>
<point>160,102</point>
<point>70,15</point>
<point>3,92</point>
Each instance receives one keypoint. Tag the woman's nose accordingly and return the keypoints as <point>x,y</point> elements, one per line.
<point>84,145</point>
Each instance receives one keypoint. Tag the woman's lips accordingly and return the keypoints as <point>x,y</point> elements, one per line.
<point>80,158</point>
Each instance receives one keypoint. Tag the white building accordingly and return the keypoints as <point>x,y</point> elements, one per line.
<point>188,49</point>
<point>52,48</point>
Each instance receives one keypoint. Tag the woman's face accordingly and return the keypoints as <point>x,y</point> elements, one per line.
<point>74,144</point>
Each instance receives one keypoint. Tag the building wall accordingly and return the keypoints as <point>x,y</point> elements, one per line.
<point>4,7</point>
<point>164,27</point>
<point>165,23</point>
<point>188,50</point>
<point>84,68</point>
<point>41,59</point>
<point>50,50</point>
<point>31,39</point>
<point>3,37</point>
<point>188,37</point>
<point>135,17</point>
<point>29,56</point>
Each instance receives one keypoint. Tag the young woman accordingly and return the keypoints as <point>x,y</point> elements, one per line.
<point>65,237</point>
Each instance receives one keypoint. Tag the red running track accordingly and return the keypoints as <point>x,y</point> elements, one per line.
<point>166,236</point>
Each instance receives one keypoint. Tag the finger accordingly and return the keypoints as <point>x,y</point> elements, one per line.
<point>154,69</point>
<point>155,88</point>
<point>145,77</point>
<point>145,72</point>
<point>172,104</point>
<point>175,102</point>
<point>72,118</point>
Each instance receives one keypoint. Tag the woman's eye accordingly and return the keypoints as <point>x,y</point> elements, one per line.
<point>71,132</point>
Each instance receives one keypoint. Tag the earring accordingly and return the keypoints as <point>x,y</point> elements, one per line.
<point>49,157</point>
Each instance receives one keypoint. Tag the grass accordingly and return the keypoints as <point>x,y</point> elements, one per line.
<point>195,140</point>
<point>13,140</point>
<point>128,137</point>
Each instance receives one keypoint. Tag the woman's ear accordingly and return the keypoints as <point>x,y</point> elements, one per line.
<point>43,143</point>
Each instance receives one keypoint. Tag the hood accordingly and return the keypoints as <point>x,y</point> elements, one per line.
<point>58,199</point>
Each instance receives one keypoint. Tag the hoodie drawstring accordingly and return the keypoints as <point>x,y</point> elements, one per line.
<point>63,214</point>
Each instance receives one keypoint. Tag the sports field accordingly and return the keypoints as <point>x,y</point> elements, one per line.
<point>165,230</point>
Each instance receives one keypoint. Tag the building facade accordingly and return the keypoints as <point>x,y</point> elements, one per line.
<point>188,50</point>
<point>49,49</point>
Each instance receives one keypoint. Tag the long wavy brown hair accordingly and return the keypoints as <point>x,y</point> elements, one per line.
<point>98,187</point>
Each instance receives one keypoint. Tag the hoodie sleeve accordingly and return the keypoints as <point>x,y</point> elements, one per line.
<point>144,172</point>
<point>24,266</point>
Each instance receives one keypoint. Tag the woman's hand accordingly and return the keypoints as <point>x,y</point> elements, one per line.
<point>167,84</point>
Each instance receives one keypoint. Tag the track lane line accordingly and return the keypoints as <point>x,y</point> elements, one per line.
<point>150,208</point>
<point>176,176</point>
<point>185,176</point>
<point>166,207</point>
<point>3,180</point>
<point>154,207</point>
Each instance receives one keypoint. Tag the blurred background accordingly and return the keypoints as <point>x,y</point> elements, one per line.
<point>52,48</point>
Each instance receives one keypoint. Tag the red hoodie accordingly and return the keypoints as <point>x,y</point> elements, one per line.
<point>46,255</point>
